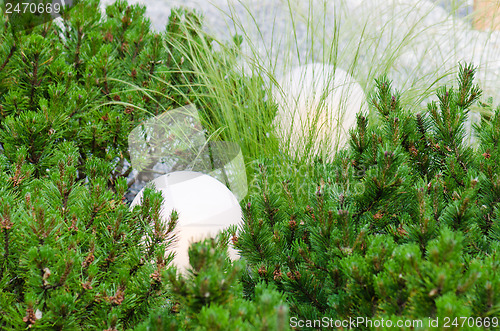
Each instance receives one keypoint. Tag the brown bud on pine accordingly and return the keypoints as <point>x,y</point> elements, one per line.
<point>5,222</point>
<point>413,151</point>
<point>30,317</point>
<point>88,260</point>
<point>108,37</point>
<point>234,239</point>
<point>293,275</point>
<point>119,296</point>
<point>277,273</point>
<point>87,285</point>
<point>156,276</point>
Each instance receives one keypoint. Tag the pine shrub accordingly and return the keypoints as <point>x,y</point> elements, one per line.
<point>89,79</point>
<point>403,224</point>
<point>210,297</point>
<point>72,254</point>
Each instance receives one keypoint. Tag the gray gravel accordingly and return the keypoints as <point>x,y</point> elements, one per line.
<point>420,39</point>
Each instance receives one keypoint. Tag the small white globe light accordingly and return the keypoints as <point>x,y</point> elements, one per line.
<point>204,205</point>
<point>317,105</point>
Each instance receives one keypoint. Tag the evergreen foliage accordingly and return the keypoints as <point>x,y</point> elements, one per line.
<point>72,254</point>
<point>210,297</point>
<point>404,224</point>
<point>89,79</point>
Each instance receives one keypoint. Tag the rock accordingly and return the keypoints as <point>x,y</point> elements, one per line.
<point>317,104</point>
<point>204,205</point>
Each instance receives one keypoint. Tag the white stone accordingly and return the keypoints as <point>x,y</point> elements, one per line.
<point>317,104</point>
<point>204,205</point>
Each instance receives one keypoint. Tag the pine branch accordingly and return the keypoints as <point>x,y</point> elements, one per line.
<point>13,48</point>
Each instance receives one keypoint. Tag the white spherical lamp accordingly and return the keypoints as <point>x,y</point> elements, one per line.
<point>204,205</point>
<point>317,105</point>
